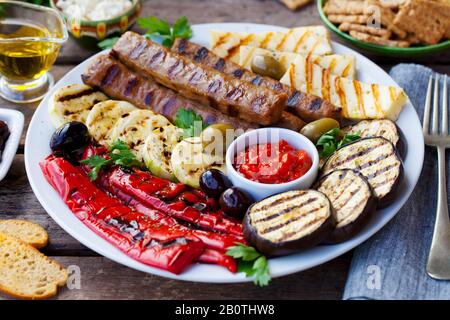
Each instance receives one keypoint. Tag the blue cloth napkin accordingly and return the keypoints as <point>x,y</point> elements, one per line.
<point>391,265</point>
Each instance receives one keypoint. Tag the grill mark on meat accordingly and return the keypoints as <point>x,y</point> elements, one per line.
<point>195,77</point>
<point>277,214</point>
<point>235,93</point>
<point>76,95</point>
<point>315,104</point>
<point>294,98</point>
<point>201,54</point>
<point>288,222</point>
<point>214,86</point>
<point>257,80</point>
<point>175,68</point>
<point>277,85</point>
<point>130,86</point>
<point>110,74</point>
<point>258,102</point>
<point>158,57</point>
<point>137,51</point>
<point>169,105</point>
<point>238,73</point>
<point>210,119</point>
<point>219,64</point>
<point>148,98</point>
<point>182,43</point>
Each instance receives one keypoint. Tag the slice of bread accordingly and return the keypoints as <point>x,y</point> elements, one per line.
<point>28,232</point>
<point>26,273</point>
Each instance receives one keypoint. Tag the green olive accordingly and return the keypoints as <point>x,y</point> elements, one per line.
<point>217,133</point>
<point>315,129</point>
<point>265,65</point>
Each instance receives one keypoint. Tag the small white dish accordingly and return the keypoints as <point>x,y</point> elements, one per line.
<point>260,190</point>
<point>14,119</point>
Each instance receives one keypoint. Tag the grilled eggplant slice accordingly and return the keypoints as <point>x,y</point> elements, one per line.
<point>376,159</point>
<point>375,128</point>
<point>352,199</point>
<point>288,222</point>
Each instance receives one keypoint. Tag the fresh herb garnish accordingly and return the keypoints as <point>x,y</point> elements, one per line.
<point>251,262</point>
<point>330,141</point>
<point>108,43</point>
<point>160,30</point>
<point>191,122</point>
<point>119,154</point>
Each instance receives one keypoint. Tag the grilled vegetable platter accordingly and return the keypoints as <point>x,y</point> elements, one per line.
<point>131,144</point>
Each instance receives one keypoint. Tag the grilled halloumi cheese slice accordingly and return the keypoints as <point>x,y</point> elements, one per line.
<point>135,128</point>
<point>358,100</point>
<point>289,221</point>
<point>73,103</point>
<point>352,199</point>
<point>157,150</point>
<point>376,159</point>
<point>340,65</point>
<point>103,117</point>
<point>314,40</point>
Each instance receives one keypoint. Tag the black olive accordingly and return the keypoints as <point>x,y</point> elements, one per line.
<point>69,140</point>
<point>235,202</point>
<point>214,182</point>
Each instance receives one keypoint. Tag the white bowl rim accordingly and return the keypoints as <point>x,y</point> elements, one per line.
<point>272,186</point>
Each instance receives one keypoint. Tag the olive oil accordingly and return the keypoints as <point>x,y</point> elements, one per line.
<point>24,52</point>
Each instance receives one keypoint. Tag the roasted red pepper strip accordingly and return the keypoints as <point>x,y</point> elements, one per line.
<point>143,186</point>
<point>217,257</point>
<point>144,239</point>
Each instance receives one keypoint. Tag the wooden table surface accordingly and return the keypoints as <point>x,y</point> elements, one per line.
<point>104,279</point>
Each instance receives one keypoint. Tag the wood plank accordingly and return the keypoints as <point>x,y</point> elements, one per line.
<point>103,279</point>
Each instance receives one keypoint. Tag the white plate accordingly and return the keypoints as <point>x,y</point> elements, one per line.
<point>14,119</point>
<point>40,130</point>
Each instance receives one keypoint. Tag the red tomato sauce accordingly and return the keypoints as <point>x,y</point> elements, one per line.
<point>272,162</point>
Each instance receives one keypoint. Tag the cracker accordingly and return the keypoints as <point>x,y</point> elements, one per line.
<point>344,7</point>
<point>428,20</point>
<point>387,17</point>
<point>295,4</point>
<point>378,40</point>
<point>352,18</point>
<point>391,4</point>
<point>380,32</point>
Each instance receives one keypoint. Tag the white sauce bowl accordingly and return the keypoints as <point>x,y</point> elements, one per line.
<point>271,135</point>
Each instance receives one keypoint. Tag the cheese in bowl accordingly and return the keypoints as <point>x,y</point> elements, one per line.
<point>94,10</point>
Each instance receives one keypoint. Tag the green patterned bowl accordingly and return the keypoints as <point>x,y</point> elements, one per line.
<point>101,29</point>
<point>413,51</point>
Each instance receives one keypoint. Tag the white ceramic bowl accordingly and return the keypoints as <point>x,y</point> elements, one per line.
<point>14,119</point>
<point>271,135</point>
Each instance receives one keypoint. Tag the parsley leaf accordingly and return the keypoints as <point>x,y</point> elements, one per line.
<point>119,154</point>
<point>251,262</point>
<point>330,141</point>
<point>159,30</point>
<point>107,43</point>
<point>191,122</point>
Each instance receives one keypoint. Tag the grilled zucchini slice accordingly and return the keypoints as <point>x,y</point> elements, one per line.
<point>289,221</point>
<point>103,116</point>
<point>376,159</point>
<point>375,128</point>
<point>352,199</point>
<point>157,150</point>
<point>73,103</point>
<point>135,128</point>
<point>189,161</point>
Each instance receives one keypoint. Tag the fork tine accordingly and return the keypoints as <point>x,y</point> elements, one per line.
<point>435,124</point>
<point>426,111</point>
<point>445,108</point>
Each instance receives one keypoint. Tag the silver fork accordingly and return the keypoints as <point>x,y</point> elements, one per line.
<point>438,265</point>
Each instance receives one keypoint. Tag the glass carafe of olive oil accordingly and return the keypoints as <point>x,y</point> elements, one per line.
<point>30,39</point>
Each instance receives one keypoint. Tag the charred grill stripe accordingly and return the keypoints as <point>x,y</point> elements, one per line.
<point>283,40</point>
<point>233,50</point>
<point>201,54</point>
<point>277,202</point>
<point>172,71</point>
<point>300,40</point>
<point>376,185</point>
<point>293,233</point>
<point>286,223</point>
<point>257,80</point>
<point>76,95</point>
<point>375,161</point>
<point>137,51</point>
<point>157,57</point>
<point>294,99</point>
<point>351,210</point>
<point>357,155</point>
<point>352,193</point>
<point>380,171</point>
<point>273,204</point>
<point>266,39</point>
<point>130,86</point>
<point>315,104</point>
<point>219,64</point>
<point>238,73</point>
<point>110,74</point>
<point>148,98</point>
<point>182,43</point>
